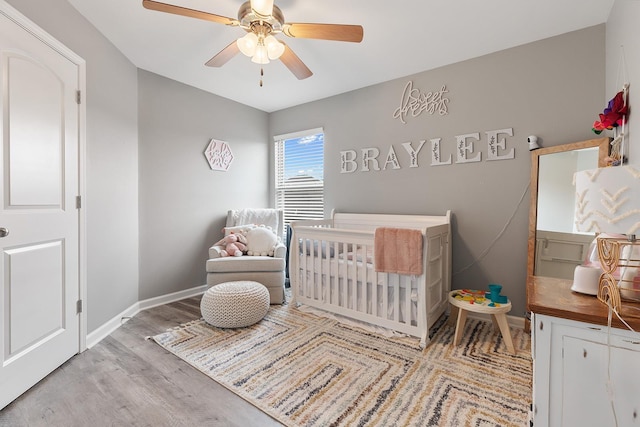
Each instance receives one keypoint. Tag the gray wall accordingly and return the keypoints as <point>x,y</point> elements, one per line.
<point>112,158</point>
<point>623,60</point>
<point>551,88</point>
<point>183,203</point>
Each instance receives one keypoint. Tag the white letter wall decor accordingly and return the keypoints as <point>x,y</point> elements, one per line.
<point>465,147</point>
<point>219,155</point>
<point>414,102</point>
<point>493,143</point>
<point>391,158</point>
<point>435,154</point>
<point>348,161</point>
<point>370,155</point>
<point>413,154</point>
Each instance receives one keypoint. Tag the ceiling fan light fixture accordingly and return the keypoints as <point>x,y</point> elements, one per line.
<point>261,56</point>
<point>275,48</point>
<point>248,44</point>
<point>263,8</point>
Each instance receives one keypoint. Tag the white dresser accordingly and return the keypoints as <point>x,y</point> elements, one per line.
<point>584,374</point>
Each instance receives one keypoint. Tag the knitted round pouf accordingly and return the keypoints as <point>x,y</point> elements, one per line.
<point>235,304</point>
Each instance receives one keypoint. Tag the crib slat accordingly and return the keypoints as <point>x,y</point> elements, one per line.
<point>326,261</point>
<point>369,283</point>
<point>314,271</point>
<point>374,294</point>
<point>362,278</point>
<point>317,277</point>
<point>396,297</point>
<point>354,279</point>
<point>329,264</point>
<point>385,295</point>
<point>344,278</point>
<point>336,273</point>
<point>407,300</point>
<point>321,267</point>
<point>304,272</point>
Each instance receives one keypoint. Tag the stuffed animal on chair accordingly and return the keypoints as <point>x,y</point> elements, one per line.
<point>234,245</point>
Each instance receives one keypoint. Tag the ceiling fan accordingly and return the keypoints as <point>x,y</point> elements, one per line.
<point>261,19</point>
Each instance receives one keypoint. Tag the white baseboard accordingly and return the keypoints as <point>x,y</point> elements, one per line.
<point>172,297</point>
<point>513,321</point>
<point>106,329</point>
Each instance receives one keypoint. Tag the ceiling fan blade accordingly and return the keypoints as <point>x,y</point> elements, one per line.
<point>192,13</point>
<point>338,32</point>
<point>224,55</point>
<point>295,64</point>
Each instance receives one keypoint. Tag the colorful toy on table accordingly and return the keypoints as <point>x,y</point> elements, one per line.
<point>491,298</point>
<point>494,295</point>
<point>471,295</point>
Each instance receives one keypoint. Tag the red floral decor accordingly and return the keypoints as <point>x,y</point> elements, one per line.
<point>612,116</point>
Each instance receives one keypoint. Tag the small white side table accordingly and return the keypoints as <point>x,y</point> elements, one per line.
<point>460,307</point>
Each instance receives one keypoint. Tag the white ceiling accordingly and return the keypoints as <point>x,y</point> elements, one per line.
<point>400,38</point>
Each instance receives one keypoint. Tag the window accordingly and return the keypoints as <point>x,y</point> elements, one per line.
<point>300,175</point>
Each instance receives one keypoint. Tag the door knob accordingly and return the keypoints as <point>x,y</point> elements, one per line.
<point>3,232</point>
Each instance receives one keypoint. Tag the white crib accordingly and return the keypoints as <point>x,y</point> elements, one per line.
<point>332,268</point>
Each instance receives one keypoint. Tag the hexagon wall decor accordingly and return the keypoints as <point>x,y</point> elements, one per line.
<point>219,155</point>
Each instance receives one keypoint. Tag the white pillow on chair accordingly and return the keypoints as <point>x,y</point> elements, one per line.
<point>261,241</point>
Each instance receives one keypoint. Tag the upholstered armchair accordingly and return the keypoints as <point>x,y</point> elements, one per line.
<point>268,270</point>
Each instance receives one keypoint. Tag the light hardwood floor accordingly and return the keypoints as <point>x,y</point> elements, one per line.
<point>126,380</point>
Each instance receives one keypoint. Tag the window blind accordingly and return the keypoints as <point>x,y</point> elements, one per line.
<point>299,186</point>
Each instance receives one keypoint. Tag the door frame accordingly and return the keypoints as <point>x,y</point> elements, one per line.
<point>31,27</point>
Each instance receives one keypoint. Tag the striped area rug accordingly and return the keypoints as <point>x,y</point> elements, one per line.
<point>305,370</point>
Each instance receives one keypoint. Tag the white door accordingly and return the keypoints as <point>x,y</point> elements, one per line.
<point>39,220</point>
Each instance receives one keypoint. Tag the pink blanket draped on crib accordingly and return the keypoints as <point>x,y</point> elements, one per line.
<point>398,250</point>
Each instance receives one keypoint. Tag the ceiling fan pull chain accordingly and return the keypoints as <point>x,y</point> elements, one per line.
<point>261,74</point>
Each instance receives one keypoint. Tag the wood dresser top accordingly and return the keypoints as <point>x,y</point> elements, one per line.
<point>554,297</point>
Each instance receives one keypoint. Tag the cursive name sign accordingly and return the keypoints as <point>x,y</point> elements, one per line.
<point>414,102</point>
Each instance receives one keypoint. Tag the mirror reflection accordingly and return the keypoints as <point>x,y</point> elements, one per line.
<point>559,247</point>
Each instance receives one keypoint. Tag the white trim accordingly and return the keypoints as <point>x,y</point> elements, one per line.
<point>82,192</point>
<point>298,134</point>
<point>110,326</point>
<point>106,329</point>
<point>172,297</point>
<point>32,28</point>
<point>513,321</point>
